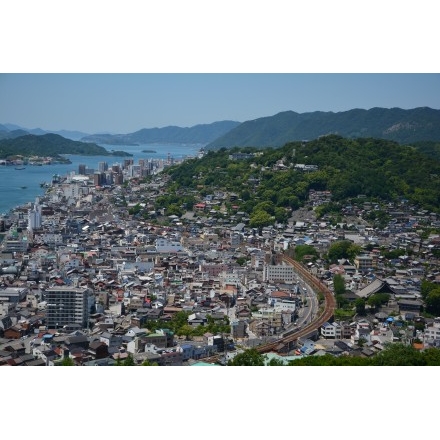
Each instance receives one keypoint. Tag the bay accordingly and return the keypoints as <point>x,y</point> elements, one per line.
<point>18,187</point>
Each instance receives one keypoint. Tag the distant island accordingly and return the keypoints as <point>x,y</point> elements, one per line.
<point>52,145</point>
<point>115,142</point>
<point>149,151</point>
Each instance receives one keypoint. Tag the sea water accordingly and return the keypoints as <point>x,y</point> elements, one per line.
<point>18,187</point>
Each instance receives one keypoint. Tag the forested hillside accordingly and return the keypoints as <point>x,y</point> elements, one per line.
<point>272,182</point>
<point>402,126</point>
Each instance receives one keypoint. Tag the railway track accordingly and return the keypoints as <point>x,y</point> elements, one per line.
<point>320,319</point>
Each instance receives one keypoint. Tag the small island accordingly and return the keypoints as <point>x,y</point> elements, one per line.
<point>149,151</point>
<point>54,146</point>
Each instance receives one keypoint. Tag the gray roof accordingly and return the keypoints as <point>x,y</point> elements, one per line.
<point>36,363</point>
<point>373,287</point>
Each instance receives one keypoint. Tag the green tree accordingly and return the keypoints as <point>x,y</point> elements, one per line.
<point>360,306</point>
<point>135,209</point>
<point>426,287</point>
<point>398,354</point>
<point>128,361</point>
<point>342,249</point>
<point>276,363</point>
<point>431,356</point>
<point>302,250</point>
<point>433,302</point>
<point>338,284</point>
<point>378,299</point>
<point>148,363</point>
<point>185,330</point>
<point>67,362</point>
<point>249,357</point>
<point>241,261</point>
<point>341,301</point>
<point>281,215</point>
<point>259,219</point>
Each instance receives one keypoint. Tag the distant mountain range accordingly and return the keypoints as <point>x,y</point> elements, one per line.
<point>12,131</point>
<point>198,134</point>
<point>402,126</point>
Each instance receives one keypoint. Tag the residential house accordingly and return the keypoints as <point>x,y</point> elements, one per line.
<point>431,337</point>
<point>113,341</point>
<point>197,350</point>
<point>98,350</point>
<point>239,329</point>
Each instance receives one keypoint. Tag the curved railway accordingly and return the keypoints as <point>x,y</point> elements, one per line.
<point>325,314</point>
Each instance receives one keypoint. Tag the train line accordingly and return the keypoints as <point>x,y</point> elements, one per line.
<point>328,311</point>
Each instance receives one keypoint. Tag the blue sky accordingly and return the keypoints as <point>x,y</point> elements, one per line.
<point>154,64</point>
<point>123,103</point>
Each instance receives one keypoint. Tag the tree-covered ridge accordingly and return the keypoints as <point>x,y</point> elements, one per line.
<point>429,148</point>
<point>402,126</point>
<point>51,145</point>
<point>392,355</point>
<point>269,184</point>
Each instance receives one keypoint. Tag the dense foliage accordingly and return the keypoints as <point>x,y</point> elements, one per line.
<point>267,192</point>
<point>179,325</point>
<point>392,355</point>
<point>304,251</point>
<point>431,295</point>
<point>429,148</point>
<point>342,249</point>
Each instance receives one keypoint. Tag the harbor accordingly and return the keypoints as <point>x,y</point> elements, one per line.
<point>36,179</point>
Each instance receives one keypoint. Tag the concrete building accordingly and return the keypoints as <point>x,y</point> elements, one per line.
<point>34,218</point>
<point>279,273</point>
<point>67,305</point>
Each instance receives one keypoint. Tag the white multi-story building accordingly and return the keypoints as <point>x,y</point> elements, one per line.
<point>279,273</point>
<point>164,245</point>
<point>34,218</point>
<point>336,330</point>
<point>50,238</point>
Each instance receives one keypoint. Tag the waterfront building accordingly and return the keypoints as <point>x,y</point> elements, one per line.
<point>34,218</point>
<point>82,169</point>
<point>127,163</point>
<point>102,167</point>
